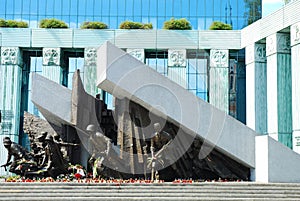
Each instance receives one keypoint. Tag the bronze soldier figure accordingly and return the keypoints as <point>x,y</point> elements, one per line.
<point>18,153</point>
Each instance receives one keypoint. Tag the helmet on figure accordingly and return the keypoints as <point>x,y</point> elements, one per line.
<point>91,128</point>
<point>6,141</point>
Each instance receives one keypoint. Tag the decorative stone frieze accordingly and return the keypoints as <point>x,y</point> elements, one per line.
<point>219,58</point>
<point>90,56</point>
<point>278,43</point>
<point>256,53</point>
<point>295,34</point>
<point>51,56</point>
<point>139,54</point>
<point>177,58</point>
<point>10,56</point>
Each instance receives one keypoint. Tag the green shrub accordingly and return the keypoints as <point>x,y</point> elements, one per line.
<point>52,23</point>
<point>147,26</point>
<point>2,23</point>
<point>177,24</point>
<point>13,24</point>
<point>93,25</point>
<point>220,26</point>
<point>135,25</point>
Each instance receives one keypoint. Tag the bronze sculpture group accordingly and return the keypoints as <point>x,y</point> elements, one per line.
<point>45,158</point>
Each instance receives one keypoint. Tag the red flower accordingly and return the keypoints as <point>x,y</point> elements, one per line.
<point>77,175</point>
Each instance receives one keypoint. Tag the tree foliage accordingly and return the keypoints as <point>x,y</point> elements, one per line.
<point>52,23</point>
<point>13,24</point>
<point>253,11</point>
<point>177,24</point>
<point>135,25</point>
<point>220,26</point>
<point>93,25</point>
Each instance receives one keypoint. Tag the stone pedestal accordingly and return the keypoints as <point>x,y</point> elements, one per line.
<point>51,68</point>
<point>256,88</point>
<point>219,80</point>
<point>10,96</point>
<point>295,53</point>
<point>279,84</point>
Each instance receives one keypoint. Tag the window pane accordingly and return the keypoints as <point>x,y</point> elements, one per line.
<point>202,65</point>
<point>201,83</point>
<point>169,9</point>
<point>162,8</point>
<point>129,7</point>
<point>192,81</point>
<point>18,6</point>
<point>185,8</point>
<point>202,95</point>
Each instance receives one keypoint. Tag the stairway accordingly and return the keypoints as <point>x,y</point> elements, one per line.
<point>163,191</point>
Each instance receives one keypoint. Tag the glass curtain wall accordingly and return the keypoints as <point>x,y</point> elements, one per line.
<point>201,13</point>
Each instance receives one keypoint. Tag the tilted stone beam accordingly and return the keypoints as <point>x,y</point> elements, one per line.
<point>123,76</point>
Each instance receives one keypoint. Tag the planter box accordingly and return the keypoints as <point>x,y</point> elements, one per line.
<point>91,37</point>
<point>52,38</point>
<point>15,37</point>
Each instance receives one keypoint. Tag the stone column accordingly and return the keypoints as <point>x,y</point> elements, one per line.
<point>256,87</point>
<point>90,71</point>
<point>177,66</point>
<point>279,81</point>
<point>295,43</point>
<point>10,96</point>
<point>218,79</point>
<point>51,68</point>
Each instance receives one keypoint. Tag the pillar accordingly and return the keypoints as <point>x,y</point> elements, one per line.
<point>219,80</point>
<point>177,66</point>
<point>10,96</point>
<point>256,87</point>
<point>51,68</point>
<point>279,81</point>
<point>295,53</point>
<point>90,71</point>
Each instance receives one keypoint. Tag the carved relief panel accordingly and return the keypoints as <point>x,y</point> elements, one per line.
<point>295,34</point>
<point>256,53</point>
<point>90,56</point>
<point>51,56</point>
<point>278,43</point>
<point>177,58</point>
<point>10,56</point>
<point>260,53</point>
<point>139,54</point>
<point>219,58</point>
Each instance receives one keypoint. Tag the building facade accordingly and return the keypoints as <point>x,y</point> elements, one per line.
<point>209,64</point>
<point>201,13</point>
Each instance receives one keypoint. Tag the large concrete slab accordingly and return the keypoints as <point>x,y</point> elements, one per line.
<point>52,99</point>
<point>275,162</point>
<point>123,76</point>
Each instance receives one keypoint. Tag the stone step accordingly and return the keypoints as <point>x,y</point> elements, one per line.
<point>138,190</point>
<point>150,194</point>
<point>165,191</point>
<point>143,198</point>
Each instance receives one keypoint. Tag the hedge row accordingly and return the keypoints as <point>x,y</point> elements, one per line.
<point>13,24</point>
<point>172,24</point>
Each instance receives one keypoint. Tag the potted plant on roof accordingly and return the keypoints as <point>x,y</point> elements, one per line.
<point>13,24</point>
<point>177,24</point>
<point>52,24</point>
<point>135,25</point>
<point>94,25</point>
<point>216,25</point>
